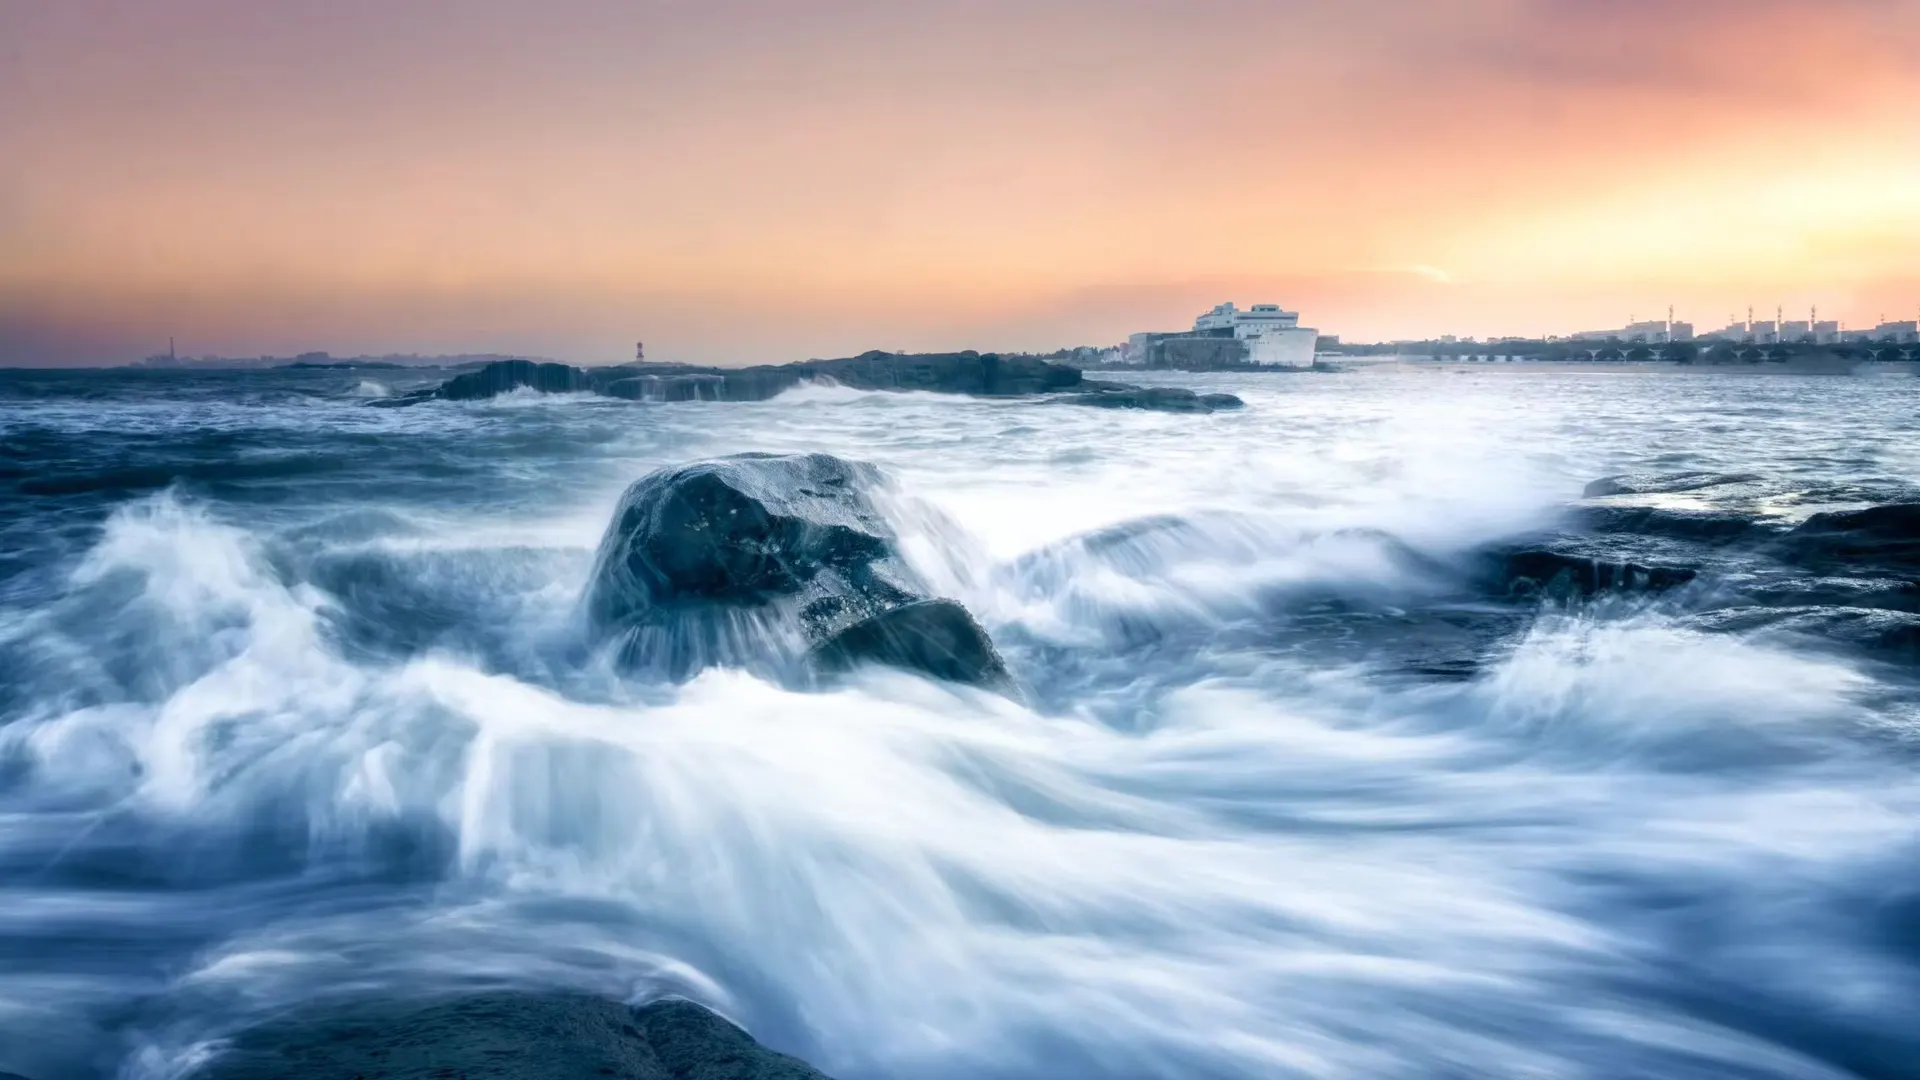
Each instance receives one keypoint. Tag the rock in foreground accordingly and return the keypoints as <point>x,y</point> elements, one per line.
<point>505,1036</point>
<point>760,560</point>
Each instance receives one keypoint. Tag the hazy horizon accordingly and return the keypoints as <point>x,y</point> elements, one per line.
<point>746,182</point>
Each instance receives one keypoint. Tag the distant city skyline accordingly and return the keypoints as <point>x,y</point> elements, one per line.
<point>750,180</point>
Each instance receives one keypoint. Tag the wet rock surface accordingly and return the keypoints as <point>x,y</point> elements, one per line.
<point>504,1036</point>
<point>1662,483</point>
<point>1733,562</point>
<point>1542,573</point>
<point>969,373</point>
<point>1886,538</point>
<point>1154,398</point>
<point>500,377</point>
<point>1887,635</point>
<point>738,559</point>
<point>1711,526</point>
<point>940,638</point>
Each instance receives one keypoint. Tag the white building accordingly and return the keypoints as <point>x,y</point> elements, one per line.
<point>1273,337</point>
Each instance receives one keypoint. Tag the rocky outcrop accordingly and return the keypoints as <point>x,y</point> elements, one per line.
<point>971,373</point>
<point>1155,398</point>
<point>1541,573</point>
<point>1892,636</point>
<point>762,560</point>
<point>979,374</point>
<point>1662,483</point>
<point>1704,526</point>
<point>504,1036</point>
<point>508,375</point>
<point>672,386</point>
<point>1877,539</point>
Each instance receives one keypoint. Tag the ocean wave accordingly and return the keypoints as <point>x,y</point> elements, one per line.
<point>1282,793</point>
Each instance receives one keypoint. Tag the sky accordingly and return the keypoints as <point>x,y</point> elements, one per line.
<point>762,180</point>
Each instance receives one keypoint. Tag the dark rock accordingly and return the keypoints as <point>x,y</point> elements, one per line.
<point>1707,526</point>
<point>733,561</point>
<point>1662,483</point>
<point>1156,398</point>
<point>1557,575</point>
<point>1883,593</point>
<point>971,373</point>
<point>740,529</point>
<point>695,386</point>
<point>1879,537</point>
<point>504,1036</point>
<point>1893,636</point>
<point>938,637</point>
<point>11,1076</point>
<point>504,376</point>
<point>979,374</point>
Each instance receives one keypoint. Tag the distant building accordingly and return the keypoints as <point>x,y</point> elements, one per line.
<point>1273,336</point>
<point>1905,333</point>
<point>1651,332</point>
<point>1264,335</point>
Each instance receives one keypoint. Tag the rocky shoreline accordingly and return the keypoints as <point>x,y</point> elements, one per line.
<point>973,374</point>
<point>1848,578</point>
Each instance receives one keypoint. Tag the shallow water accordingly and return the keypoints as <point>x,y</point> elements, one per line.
<point>297,704</point>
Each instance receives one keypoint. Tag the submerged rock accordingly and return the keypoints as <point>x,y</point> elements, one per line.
<point>1533,573</point>
<point>1155,398</point>
<point>1663,483</point>
<point>744,559</point>
<point>504,1036</point>
<point>1877,538</point>
<point>1706,526</point>
<point>1893,636</point>
<point>1889,594</point>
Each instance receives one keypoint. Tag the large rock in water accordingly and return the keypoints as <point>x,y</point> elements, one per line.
<point>1539,573</point>
<point>761,560</point>
<point>1877,539</point>
<point>504,376</point>
<point>505,1036</point>
<point>971,373</point>
<point>1153,398</point>
<point>979,374</point>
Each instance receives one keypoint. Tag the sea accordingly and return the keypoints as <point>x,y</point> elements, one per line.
<point>296,705</point>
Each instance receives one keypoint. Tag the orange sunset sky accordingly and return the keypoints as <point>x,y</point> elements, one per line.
<point>764,181</point>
